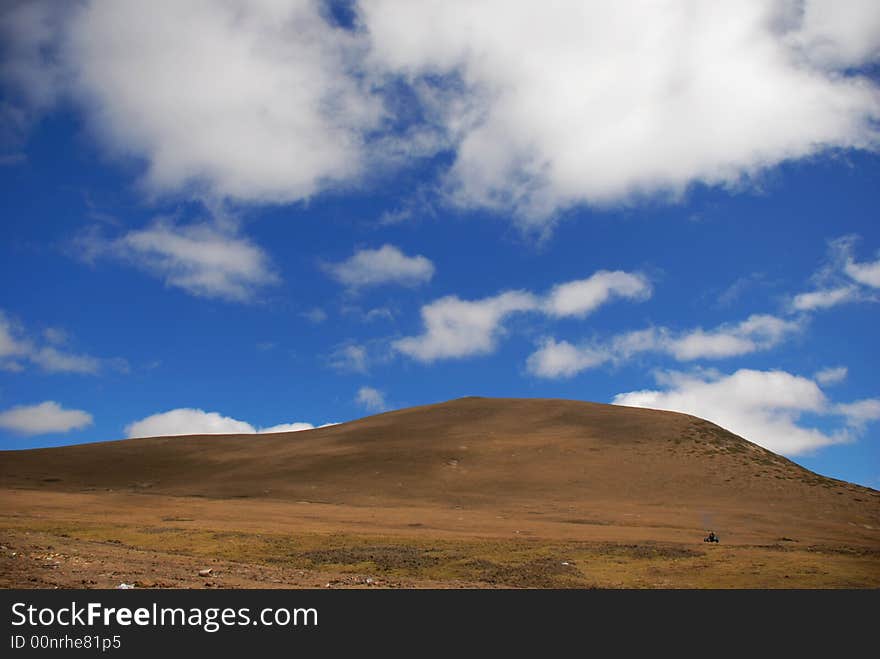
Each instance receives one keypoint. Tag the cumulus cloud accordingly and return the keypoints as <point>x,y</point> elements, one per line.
<point>840,34</point>
<point>758,332</point>
<point>43,418</point>
<point>561,359</point>
<point>832,375</point>
<point>610,104</point>
<point>371,399</point>
<point>617,101</point>
<point>191,421</point>
<point>18,348</point>
<point>579,298</point>
<point>202,259</point>
<point>288,427</point>
<point>765,407</point>
<point>385,265</point>
<point>456,328</point>
<point>286,118</point>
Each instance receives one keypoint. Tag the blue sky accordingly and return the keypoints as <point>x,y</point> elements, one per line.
<point>231,218</point>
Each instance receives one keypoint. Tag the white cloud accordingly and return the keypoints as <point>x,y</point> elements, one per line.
<point>12,345</point>
<point>16,347</point>
<point>579,298</point>
<point>596,102</point>
<point>351,357</point>
<point>191,421</point>
<point>46,417</point>
<point>55,335</point>
<point>288,427</point>
<point>52,360</point>
<point>832,375</point>
<point>841,279</point>
<point>28,28</point>
<point>860,412</point>
<point>562,360</point>
<point>202,259</point>
<point>864,273</point>
<point>457,328</point>
<point>825,298</point>
<point>316,315</point>
<point>378,313</point>
<point>613,101</point>
<point>385,265</point>
<point>286,118</point>
<point>758,332</point>
<point>371,399</point>
<point>765,407</point>
<point>840,34</point>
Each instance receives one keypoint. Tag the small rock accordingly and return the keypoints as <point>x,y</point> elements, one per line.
<point>207,572</point>
<point>125,586</point>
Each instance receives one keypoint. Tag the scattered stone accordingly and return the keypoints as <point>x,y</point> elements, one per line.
<point>207,572</point>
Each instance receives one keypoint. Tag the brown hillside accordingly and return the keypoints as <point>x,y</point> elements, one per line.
<point>471,452</point>
<point>473,492</point>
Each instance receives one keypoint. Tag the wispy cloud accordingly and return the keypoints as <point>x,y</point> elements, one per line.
<point>832,375</point>
<point>456,328</point>
<point>202,259</point>
<point>371,399</point>
<point>351,357</point>
<point>560,359</point>
<point>17,349</point>
<point>841,280</point>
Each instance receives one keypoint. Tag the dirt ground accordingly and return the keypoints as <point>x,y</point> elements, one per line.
<point>101,540</point>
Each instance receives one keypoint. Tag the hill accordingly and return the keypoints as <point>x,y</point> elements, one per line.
<point>556,469</point>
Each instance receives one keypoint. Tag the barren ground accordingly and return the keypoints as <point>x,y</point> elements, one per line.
<point>473,493</point>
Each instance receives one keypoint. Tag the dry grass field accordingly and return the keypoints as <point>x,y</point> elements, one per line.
<point>477,493</point>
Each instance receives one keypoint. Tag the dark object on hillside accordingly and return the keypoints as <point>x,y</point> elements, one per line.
<point>711,537</point>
